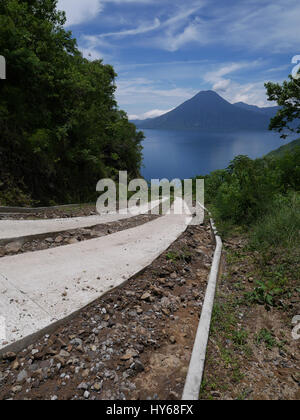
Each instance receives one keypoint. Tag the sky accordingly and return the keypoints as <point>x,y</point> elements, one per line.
<point>166,51</point>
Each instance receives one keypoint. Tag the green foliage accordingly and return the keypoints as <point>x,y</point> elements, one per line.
<point>14,193</point>
<point>213,182</point>
<point>172,256</point>
<point>249,189</point>
<point>240,337</point>
<point>280,226</point>
<point>61,129</point>
<point>287,97</point>
<point>289,147</point>
<point>262,198</point>
<point>237,198</point>
<point>267,337</point>
<point>184,255</point>
<point>265,293</point>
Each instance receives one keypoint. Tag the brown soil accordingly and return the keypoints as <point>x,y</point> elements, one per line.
<point>133,343</point>
<point>64,212</point>
<point>242,363</point>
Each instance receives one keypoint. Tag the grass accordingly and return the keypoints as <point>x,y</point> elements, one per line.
<point>276,275</point>
<point>267,337</point>
<point>265,293</point>
<point>280,226</point>
<point>274,243</point>
<point>240,337</point>
<point>172,256</point>
<point>231,341</point>
<point>184,255</point>
<point>271,280</point>
<point>266,272</point>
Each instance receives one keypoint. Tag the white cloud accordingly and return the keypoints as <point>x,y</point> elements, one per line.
<point>78,11</point>
<point>173,22</point>
<point>155,113</point>
<point>150,114</point>
<point>255,24</point>
<point>189,34</point>
<point>216,76</point>
<point>92,54</point>
<point>142,29</point>
<point>284,67</point>
<point>140,94</point>
<point>182,15</point>
<point>89,46</point>
<point>265,24</point>
<point>135,90</point>
<point>131,1</point>
<point>250,93</point>
<point>161,64</point>
<point>221,85</point>
<point>253,93</point>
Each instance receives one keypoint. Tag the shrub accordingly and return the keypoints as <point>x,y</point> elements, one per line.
<point>280,226</point>
<point>258,191</point>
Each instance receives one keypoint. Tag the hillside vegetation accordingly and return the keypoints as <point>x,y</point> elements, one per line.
<point>258,201</point>
<point>260,198</point>
<point>256,204</point>
<point>286,148</point>
<point>61,129</point>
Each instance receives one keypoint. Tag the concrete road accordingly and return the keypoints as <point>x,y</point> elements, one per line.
<point>16,229</point>
<point>39,288</point>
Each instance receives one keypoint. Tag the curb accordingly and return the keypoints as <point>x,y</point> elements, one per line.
<point>196,368</point>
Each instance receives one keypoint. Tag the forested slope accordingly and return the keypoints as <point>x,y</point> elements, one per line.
<point>60,126</point>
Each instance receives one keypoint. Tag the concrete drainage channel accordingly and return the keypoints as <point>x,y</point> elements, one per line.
<point>197,363</point>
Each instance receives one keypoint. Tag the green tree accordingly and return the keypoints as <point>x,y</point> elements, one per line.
<point>61,129</point>
<point>287,97</point>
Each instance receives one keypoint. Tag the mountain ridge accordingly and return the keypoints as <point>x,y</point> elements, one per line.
<point>270,111</point>
<point>207,110</point>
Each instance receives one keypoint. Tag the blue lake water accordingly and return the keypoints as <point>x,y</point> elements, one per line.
<point>185,154</point>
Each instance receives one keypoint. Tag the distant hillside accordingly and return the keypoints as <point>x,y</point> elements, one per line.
<point>270,111</point>
<point>284,149</point>
<point>209,111</point>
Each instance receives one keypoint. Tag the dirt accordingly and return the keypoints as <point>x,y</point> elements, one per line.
<point>243,363</point>
<point>73,236</point>
<point>63,212</point>
<point>133,343</point>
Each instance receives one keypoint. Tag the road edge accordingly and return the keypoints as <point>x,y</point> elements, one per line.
<point>197,363</point>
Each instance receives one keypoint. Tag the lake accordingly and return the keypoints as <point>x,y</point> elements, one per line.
<point>185,154</point>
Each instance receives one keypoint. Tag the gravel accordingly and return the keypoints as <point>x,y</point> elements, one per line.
<point>133,343</point>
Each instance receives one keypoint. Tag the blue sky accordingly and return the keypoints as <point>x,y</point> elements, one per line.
<point>165,51</point>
